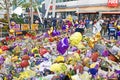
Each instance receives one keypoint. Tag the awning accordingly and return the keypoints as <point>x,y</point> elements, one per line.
<point>91,12</point>
<point>110,12</point>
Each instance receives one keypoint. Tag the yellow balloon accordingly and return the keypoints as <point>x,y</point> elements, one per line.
<point>59,59</point>
<point>15,58</point>
<point>118,27</point>
<point>1,51</point>
<point>75,38</point>
<point>80,46</point>
<point>76,57</point>
<point>12,31</point>
<point>55,67</point>
<point>34,49</point>
<point>93,65</point>
<point>91,42</point>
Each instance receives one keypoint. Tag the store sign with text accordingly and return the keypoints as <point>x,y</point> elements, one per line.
<point>113,3</point>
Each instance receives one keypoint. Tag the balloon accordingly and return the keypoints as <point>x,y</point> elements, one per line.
<point>51,39</point>
<point>55,67</point>
<point>75,38</point>
<point>80,46</point>
<point>76,56</point>
<point>91,43</point>
<point>25,57</point>
<point>64,27</point>
<point>42,51</point>
<point>18,70</point>
<point>54,33</point>
<point>105,53</point>
<point>58,67</point>
<point>59,59</point>
<point>97,36</point>
<point>93,65</point>
<point>94,56</point>
<point>2,59</point>
<point>74,49</point>
<point>15,58</point>
<point>24,63</point>
<point>34,49</point>
<point>1,51</point>
<point>31,54</point>
<point>62,45</point>
<point>38,61</point>
<point>4,48</point>
<point>86,61</point>
<point>118,33</point>
<point>118,27</point>
<point>76,25</point>
<point>93,71</point>
<point>46,35</point>
<point>78,67</point>
<point>12,31</point>
<point>112,58</point>
<point>50,31</point>
<point>25,50</point>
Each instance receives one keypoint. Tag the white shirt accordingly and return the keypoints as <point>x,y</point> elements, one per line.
<point>115,50</point>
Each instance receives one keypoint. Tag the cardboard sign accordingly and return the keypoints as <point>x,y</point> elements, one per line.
<point>25,27</point>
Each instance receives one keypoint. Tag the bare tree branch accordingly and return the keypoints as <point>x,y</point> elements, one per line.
<point>2,5</point>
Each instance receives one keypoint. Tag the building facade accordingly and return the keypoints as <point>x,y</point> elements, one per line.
<point>92,8</point>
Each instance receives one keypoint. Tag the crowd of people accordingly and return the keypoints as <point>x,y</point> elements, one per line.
<point>65,52</point>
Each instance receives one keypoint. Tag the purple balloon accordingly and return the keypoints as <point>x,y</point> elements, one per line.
<point>118,33</point>
<point>46,35</point>
<point>64,27</point>
<point>74,49</point>
<point>58,32</point>
<point>18,70</point>
<point>25,50</point>
<point>54,33</point>
<point>62,45</point>
<point>31,54</point>
<point>105,53</point>
<point>75,25</point>
<point>2,59</point>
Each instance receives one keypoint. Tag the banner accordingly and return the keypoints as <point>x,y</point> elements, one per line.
<point>113,3</point>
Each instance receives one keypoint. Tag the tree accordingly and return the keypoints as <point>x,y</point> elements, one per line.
<point>6,4</point>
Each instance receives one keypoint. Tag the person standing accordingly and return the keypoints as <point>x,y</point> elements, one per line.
<point>54,21</point>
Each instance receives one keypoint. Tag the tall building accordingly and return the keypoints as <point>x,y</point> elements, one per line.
<point>91,8</point>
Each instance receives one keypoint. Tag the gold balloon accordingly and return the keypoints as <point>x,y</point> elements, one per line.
<point>75,38</point>
<point>91,42</point>
<point>118,27</point>
<point>12,31</point>
<point>15,58</point>
<point>50,31</point>
<point>1,51</point>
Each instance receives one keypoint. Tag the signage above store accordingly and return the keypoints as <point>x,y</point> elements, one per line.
<point>113,3</point>
<point>58,6</point>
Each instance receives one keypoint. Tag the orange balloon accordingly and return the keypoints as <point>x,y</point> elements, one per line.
<point>24,63</point>
<point>94,56</point>
<point>25,57</point>
<point>112,58</point>
<point>51,39</point>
